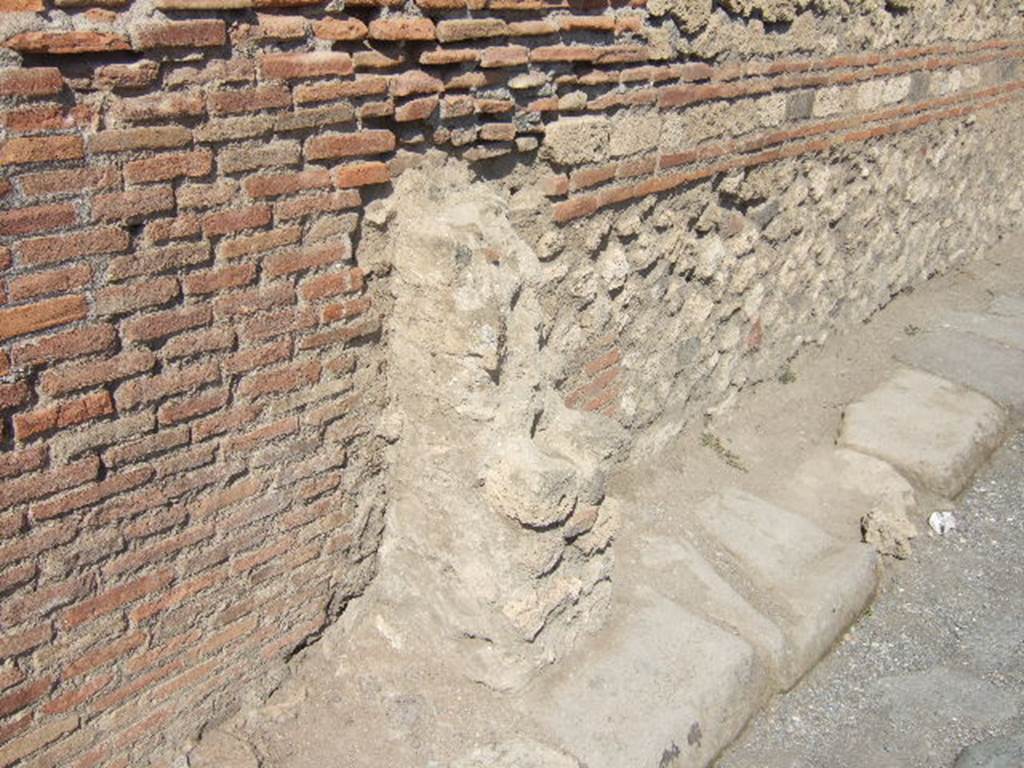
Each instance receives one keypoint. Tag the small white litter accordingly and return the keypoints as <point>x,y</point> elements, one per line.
<point>942,522</point>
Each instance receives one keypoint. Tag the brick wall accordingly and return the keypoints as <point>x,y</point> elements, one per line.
<point>190,357</point>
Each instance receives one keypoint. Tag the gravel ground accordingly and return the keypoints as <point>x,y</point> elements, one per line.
<point>935,666</point>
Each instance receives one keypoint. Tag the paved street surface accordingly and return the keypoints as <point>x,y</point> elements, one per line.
<point>937,665</point>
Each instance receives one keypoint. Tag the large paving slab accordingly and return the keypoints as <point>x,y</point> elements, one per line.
<point>974,360</point>
<point>936,432</point>
<point>1004,328</point>
<point>659,687</point>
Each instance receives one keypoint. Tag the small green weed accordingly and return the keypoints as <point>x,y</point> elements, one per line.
<point>712,441</point>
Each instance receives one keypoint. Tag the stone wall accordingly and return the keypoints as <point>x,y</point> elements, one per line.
<point>196,284</point>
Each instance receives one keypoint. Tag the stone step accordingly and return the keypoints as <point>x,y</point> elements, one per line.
<point>935,432</point>
<point>974,360</point>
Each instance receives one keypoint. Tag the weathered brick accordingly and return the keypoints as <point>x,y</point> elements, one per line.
<point>339,29</point>
<point>303,119</point>
<point>280,380</point>
<point>24,696</point>
<point>76,376</point>
<point>132,205</point>
<point>64,414</point>
<point>199,343</point>
<point>147,389</point>
<point>71,181</point>
<point>169,166</point>
<point>275,184</point>
<point>361,174</point>
<point>15,394</point>
<point>128,139</point>
<point>79,41</point>
<point>33,81</point>
<point>122,299</point>
<point>279,322</point>
<point>14,463</point>
<point>344,310</point>
<point>152,261</point>
<point>115,598</point>
<point>145,447</point>
<point>372,142</point>
<point>220,279</point>
<point>333,284</point>
<point>180,34</point>
<point>157,325</point>
<point>455,30</point>
<point>417,109</point>
<point>366,85</point>
<point>263,241</point>
<point>160,106</point>
<point>18,321</point>
<point>74,245</point>
<point>49,117</point>
<point>112,485</point>
<point>65,345</point>
<point>182,226</point>
<point>37,149</point>
<point>139,75</point>
<point>298,66</point>
<point>227,222</point>
<point>416,82</point>
<point>402,28</point>
<point>257,357</point>
<point>189,408</point>
<point>298,207</point>
<point>504,56</point>
<point>39,218</point>
<point>41,484</point>
<point>249,99</point>
<point>36,739</point>
<point>229,128</point>
<point>253,155</point>
<point>300,260</point>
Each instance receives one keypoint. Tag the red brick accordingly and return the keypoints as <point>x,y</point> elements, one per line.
<point>160,106</point>
<point>225,421</point>
<point>25,696</point>
<point>552,53</point>
<point>339,29</point>
<point>325,202</point>
<point>402,28</point>
<point>76,696</point>
<point>258,357</point>
<point>13,463</point>
<point>280,380</point>
<point>127,76</point>
<point>71,181</point>
<point>303,259</point>
<point>221,279</point>
<point>121,299</point>
<point>497,132</point>
<point>132,205</point>
<point>156,260</point>
<point>247,442</point>
<point>128,139</point>
<point>34,81</point>
<point>456,30</point>
<point>441,57</point>
<point>504,56</point>
<point>181,34</point>
<point>13,395</point>
<point>65,345</point>
<point>417,109</point>
<point>18,321</point>
<point>361,174</point>
<point>324,286</point>
<point>38,149</point>
<point>81,41</point>
<point>249,99</point>
<point>280,322</point>
<point>43,599</point>
<point>73,377</point>
<point>274,184</point>
<point>199,342</point>
<point>39,218</point>
<point>254,300</point>
<point>37,284</point>
<point>345,309</point>
<point>50,731</point>
<point>371,142</point>
<point>369,85</point>
<point>74,245</point>
<point>297,66</point>
<point>21,6</point>
<point>185,225</point>
<point>40,484</point>
<point>157,325</point>
<point>62,415</point>
<point>416,82</point>
<point>258,243</point>
<point>147,389</point>
<point>171,166</point>
<point>15,644</point>
<point>115,598</point>
<point>184,410</point>
<point>228,222</point>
